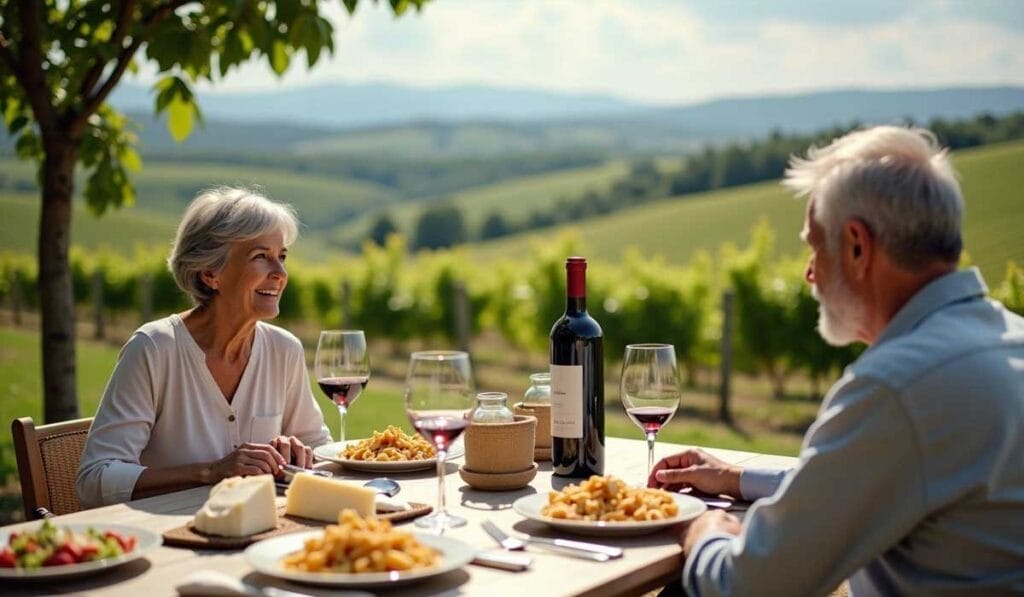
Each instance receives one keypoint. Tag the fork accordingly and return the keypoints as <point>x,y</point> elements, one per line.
<point>579,549</point>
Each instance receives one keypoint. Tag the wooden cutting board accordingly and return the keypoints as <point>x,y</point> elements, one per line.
<point>188,536</point>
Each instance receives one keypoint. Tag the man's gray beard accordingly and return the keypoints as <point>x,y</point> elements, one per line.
<point>837,317</point>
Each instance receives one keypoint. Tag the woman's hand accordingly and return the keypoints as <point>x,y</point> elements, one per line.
<point>293,450</point>
<point>698,469</point>
<point>249,459</point>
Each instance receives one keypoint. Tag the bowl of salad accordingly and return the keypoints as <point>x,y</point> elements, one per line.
<point>55,549</point>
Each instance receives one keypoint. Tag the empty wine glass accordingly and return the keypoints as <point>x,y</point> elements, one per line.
<point>650,389</point>
<point>342,369</point>
<point>438,400</point>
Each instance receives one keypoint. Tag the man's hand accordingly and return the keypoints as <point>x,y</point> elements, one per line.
<point>698,469</point>
<point>248,459</point>
<point>712,521</point>
<point>293,450</point>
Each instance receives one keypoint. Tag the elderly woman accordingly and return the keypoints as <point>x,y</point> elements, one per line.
<point>212,392</point>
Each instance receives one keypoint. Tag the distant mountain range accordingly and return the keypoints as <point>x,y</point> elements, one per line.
<point>393,121</point>
<point>351,105</point>
<point>365,105</point>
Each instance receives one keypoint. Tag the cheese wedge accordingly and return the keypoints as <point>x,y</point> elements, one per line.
<point>320,498</point>
<point>239,506</point>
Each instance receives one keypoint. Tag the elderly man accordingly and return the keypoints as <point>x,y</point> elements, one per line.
<point>911,480</point>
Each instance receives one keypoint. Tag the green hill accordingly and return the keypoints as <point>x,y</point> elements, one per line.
<point>514,198</point>
<point>167,187</point>
<point>120,230</point>
<point>677,227</point>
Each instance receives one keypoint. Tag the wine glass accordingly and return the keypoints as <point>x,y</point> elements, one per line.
<point>342,369</point>
<point>438,400</point>
<point>650,389</point>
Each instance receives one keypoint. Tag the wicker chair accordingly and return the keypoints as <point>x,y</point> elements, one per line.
<point>47,463</point>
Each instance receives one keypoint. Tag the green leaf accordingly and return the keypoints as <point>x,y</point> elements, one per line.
<point>17,124</point>
<point>350,6</point>
<point>180,118</point>
<point>130,159</point>
<point>287,10</point>
<point>29,146</point>
<point>279,57</point>
<point>233,51</point>
<point>399,6</point>
<point>259,31</point>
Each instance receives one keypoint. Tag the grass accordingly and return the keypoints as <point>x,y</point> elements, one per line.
<point>676,228</point>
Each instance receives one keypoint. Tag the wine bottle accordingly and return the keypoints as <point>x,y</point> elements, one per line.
<point>577,382</point>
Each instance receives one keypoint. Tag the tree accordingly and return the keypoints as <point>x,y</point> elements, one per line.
<point>59,62</point>
<point>381,228</point>
<point>440,226</point>
<point>494,226</point>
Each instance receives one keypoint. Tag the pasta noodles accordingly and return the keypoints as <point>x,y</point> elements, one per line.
<point>609,499</point>
<point>390,445</point>
<point>357,545</point>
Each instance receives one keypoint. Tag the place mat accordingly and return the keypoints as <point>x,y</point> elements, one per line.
<point>187,535</point>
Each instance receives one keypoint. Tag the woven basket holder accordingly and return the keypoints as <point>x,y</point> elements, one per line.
<point>501,447</point>
<point>542,437</point>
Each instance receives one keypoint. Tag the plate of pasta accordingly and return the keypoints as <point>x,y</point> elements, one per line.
<point>358,553</point>
<point>608,506</point>
<point>389,451</point>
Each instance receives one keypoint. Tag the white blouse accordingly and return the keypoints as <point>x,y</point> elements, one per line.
<point>163,408</point>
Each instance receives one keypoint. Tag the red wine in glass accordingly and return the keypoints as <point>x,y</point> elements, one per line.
<point>342,369</point>
<point>440,431</point>
<point>343,391</point>
<point>650,389</point>
<point>438,399</point>
<point>650,418</point>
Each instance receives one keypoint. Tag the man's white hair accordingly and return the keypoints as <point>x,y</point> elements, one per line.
<point>897,180</point>
<point>216,219</point>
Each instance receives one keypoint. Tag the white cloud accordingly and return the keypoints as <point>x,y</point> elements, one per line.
<point>652,51</point>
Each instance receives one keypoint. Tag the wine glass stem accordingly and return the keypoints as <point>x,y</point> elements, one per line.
<point>442,457</point>
<point>342,411</point>
<point>650,451</point>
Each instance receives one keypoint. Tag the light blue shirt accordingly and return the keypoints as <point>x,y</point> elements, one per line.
<point>910,480</point>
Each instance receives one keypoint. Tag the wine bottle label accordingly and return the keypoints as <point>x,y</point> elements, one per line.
<point>567,401</point>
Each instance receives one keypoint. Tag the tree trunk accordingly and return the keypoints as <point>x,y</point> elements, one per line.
<point>56,297</point>
<point>777,375</point>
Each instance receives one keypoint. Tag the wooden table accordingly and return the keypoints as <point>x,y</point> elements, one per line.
<point>649,561</point>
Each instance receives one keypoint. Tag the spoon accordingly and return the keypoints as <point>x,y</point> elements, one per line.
<point>384,486</point>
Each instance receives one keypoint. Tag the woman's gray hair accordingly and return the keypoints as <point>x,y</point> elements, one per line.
<point>897,180</point>
<point>215,220</point>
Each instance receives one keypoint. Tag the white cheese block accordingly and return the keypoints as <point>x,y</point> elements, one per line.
<point>239,506</point>
<point>320,498</point>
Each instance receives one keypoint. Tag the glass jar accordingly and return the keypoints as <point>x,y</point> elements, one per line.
<point>492,407</point>
<point>539,391</point>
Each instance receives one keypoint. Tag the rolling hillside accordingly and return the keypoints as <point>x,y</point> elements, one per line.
<point>167,187</point>
<point>676,228</point>
<point>120,230</point>
<point>514,198</point>
<point>992,178</point>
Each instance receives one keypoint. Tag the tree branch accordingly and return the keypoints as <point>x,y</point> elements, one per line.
<point>124,58</point>
<point>124,21</point>
<point>32,77</point>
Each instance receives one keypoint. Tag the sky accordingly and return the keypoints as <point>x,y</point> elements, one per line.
<point>666,52</point>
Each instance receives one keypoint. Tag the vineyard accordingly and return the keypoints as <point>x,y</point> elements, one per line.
<point>403,298</point>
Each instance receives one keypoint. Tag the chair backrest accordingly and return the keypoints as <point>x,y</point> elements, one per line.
<point>48,458</point>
